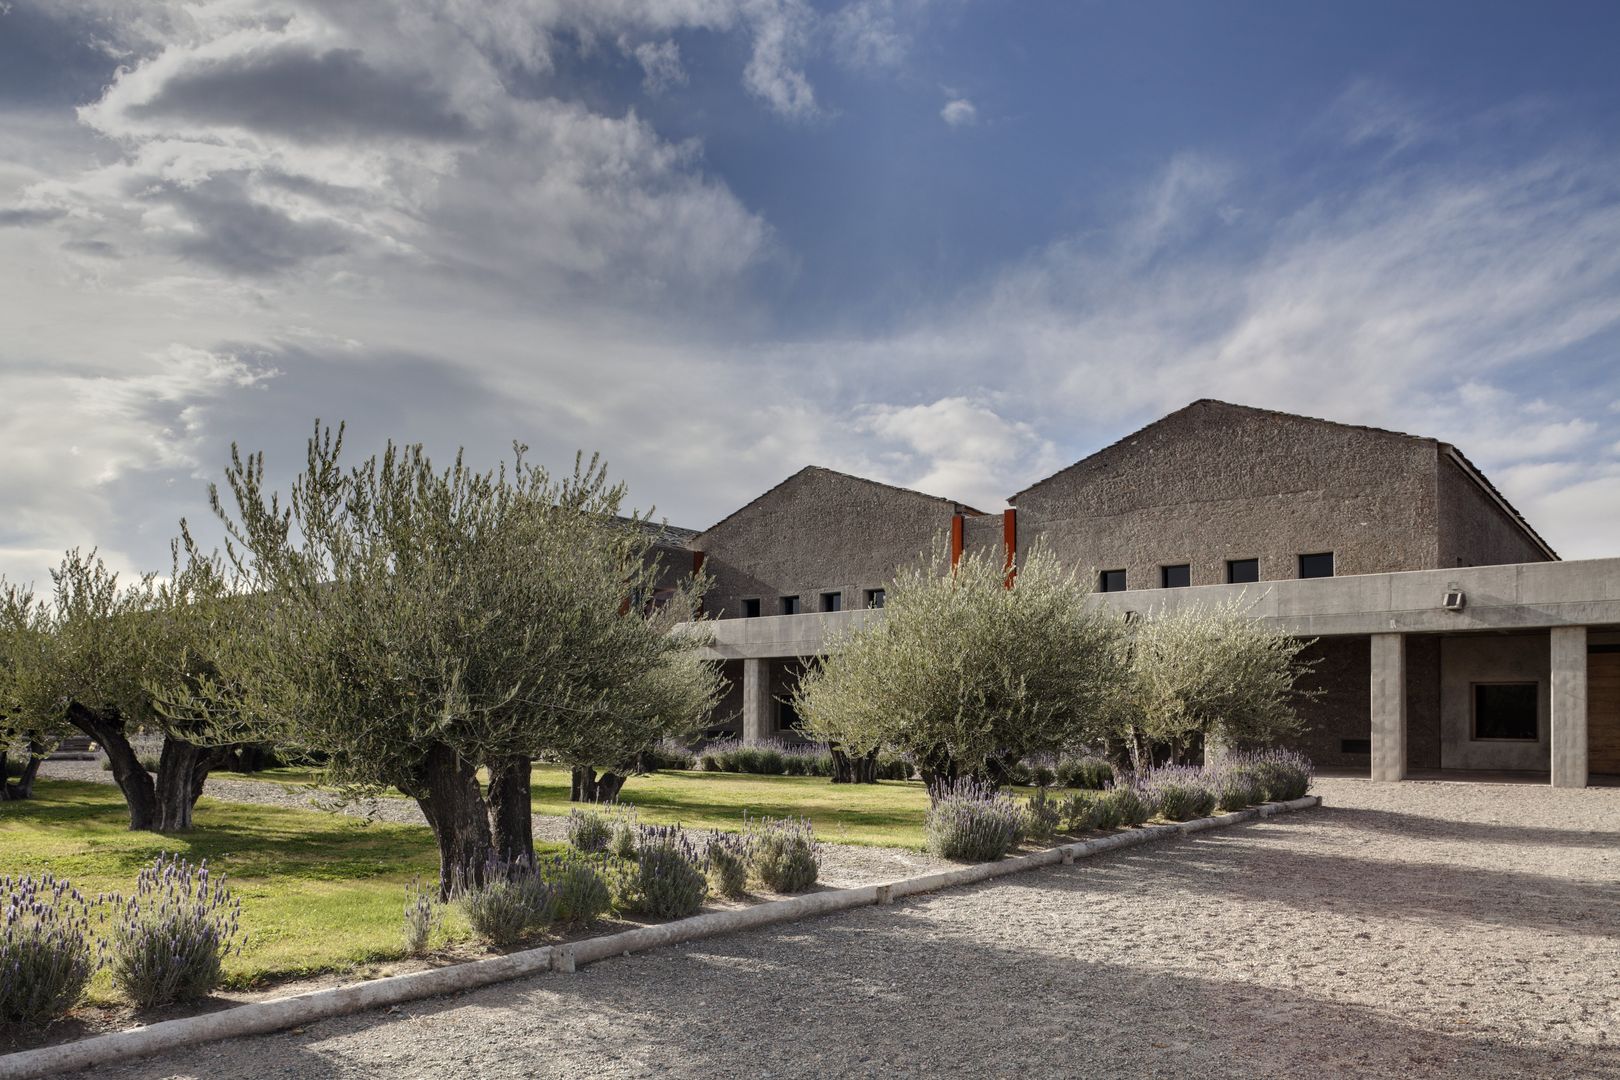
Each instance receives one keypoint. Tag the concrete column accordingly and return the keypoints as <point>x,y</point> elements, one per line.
<point>756,700</point>
<point>1388,707</point>
<point>1568,706</point>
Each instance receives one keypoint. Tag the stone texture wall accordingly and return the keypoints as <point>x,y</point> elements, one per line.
<point>1214,482</point>
<point>1474,530</point>
<point>817,532</point>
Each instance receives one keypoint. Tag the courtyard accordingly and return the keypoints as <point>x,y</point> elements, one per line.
<point>1431,929</point>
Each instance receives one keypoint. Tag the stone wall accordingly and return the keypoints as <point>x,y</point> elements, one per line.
<point>818,532</point>
<point>1474,530</point>
<point>1215,482</point>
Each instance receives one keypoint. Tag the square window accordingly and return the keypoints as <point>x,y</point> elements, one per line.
<point>1111,581</point>
<point>1175,577</point>
<point>1317,565</point>
<point>1506,711</point>
<point>832,601</point>
<point>1242,571</point>
<point>751,608</point>
<point>790,605</point>
<point>874,597</point>
<point>1355,746</point>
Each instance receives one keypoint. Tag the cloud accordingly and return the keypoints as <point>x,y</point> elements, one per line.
<point>781,33</point>
<point>958,447</point>
<point>959,112</point>
<point>661,64</point>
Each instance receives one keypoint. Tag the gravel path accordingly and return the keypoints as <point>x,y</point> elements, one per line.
<point>1419,929</point>
<point>842,865</point>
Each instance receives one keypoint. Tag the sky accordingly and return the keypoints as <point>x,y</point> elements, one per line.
<point>946,244</point>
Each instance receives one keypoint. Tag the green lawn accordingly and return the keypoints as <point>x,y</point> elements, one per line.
<point>886,814</point>
<point>320,891</point>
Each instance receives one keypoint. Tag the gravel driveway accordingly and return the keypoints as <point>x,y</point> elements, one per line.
<point>1418,929</point>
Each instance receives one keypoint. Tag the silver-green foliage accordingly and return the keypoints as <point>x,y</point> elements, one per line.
<point>1043,816</point>
<point>1210,673</point>
<point>783,853</point>
<point>665,880</point>
<point>507,900</point>
<point>171,936</point>
<point>965,667</point>
<point>972,822</point>
<point>424,913</point>
<point>580,884</point>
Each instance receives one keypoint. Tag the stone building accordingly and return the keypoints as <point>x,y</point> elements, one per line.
<point>1448,634</point>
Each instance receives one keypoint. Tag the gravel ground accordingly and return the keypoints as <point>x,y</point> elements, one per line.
<point>842,865</point>
<point>1417,929</point>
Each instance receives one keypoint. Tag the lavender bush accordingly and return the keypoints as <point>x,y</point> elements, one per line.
<point>591,830</point>
<point>45,955</point>
<point>1128,805</point>
<point>1287,774</point>
<point>785,855</point>
<point>665,880</point>
<point>1082,810</point>
<point>424,913</point>
<point>580,885</point>
<point>1043,816</point>
<point>171,937</point>
<point>1179,792</point>
<point>1088,771</point>
<point>971,821</point>
<point>511,901</point>
<point>726,858</point>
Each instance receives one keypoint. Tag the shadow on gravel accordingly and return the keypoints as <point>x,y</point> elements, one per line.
<point>877,994</point>
<point>1420,827</point>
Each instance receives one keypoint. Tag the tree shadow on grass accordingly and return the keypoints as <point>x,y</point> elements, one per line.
<point>881,992</point>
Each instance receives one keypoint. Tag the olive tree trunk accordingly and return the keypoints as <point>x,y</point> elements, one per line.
<point>23,786</point>
<point>854,770</point>
<point>511,820</point>
<point>107,729</point>
<point>589,787</point>
<point>183,769</point>
<point>453,803</point>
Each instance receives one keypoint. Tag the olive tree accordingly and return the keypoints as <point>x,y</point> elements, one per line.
<point>414,625</point>
<point>20,634</point>
<point>1205,675</point>
<point>97,656</point>
<point>969,670</point>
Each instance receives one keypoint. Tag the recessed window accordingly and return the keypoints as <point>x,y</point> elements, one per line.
<point>1318,565</point>
<point>1242,571</point>
<point>1111,581</point>
<point>787,717</point>
<point>1506,711</point>
<point>751,608</point>
<point>1175,577</point>
<point>1355,746</point>
<point>874,597</point>
<point>832,601</point>
<point>790,605</point>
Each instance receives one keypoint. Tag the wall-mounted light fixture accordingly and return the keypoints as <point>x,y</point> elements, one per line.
<point>1455,599</point>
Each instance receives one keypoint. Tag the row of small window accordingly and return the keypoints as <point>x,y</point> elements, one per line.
<point>792,605</point>
<point>1238,571</point>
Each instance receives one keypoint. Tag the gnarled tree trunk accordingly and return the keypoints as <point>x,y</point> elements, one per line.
<point>510,816</point>
<point>854,770</point>
<point>453,803</point>
<point>183,768</point>
<point>588,787</point>
<point>23,786</point>
<point>107,728</point>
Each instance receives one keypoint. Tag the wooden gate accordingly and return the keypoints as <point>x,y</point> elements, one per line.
<point>1603,709</point>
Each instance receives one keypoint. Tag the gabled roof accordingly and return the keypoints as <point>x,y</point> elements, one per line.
<point>955,507</point>
<point>661,532</point>
<point>1467,466</point>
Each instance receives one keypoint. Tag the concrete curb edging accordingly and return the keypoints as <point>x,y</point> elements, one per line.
<point>263,1017</point>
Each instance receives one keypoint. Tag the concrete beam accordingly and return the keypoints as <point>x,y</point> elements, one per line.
<point>756,700</point>
<point>1568,706</point>
<point>1388,707</point>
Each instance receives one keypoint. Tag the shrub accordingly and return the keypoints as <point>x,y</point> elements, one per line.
<point>1043,815</point>
<point>664,881</point>
<point>895,768</point>
<point>1179,792</point>
<point>511,901</point>
<point>1286,774</point>
<point>726,858</point>
<point>580,888</point>
<point>1042,775</point>
<point>971,821</point>
<point>173,934</point>
<point>45,956</point>
<point>1128,806</point>
<point>670,754</point>
<point>625,835</point>
<point>1237,784</point>
<point>1079,811</point>
<point>784,853</point>
<point>423,914</point>
<point>589,830</point>
<point>1085,772</point>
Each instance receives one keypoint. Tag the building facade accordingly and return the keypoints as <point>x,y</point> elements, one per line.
<point>1326,529</point>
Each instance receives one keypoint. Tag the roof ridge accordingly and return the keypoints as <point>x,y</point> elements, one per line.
<point>957,505</point>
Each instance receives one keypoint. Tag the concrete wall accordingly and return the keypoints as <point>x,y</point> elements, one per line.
<point>1478,658</point>
<point>1474,530</point>
<point>818,531</point>
<point>1215,482</point>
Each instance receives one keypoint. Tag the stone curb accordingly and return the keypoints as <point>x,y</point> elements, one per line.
<point>263,1017</point>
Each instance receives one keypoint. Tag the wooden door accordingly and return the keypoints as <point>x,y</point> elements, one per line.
<point>1603,712</point>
